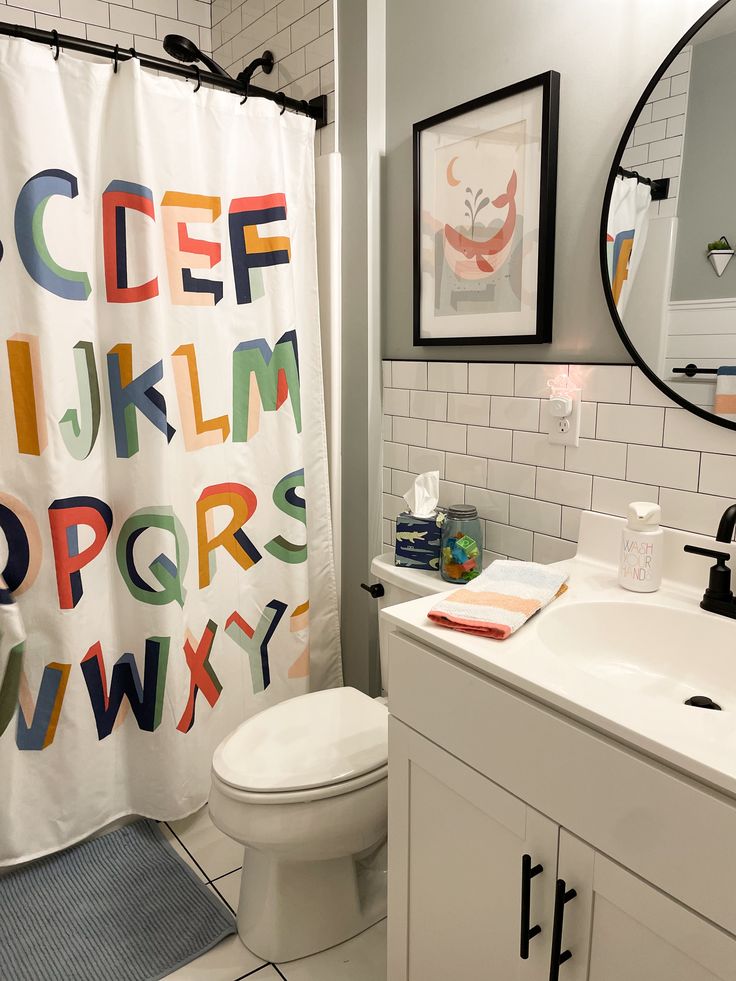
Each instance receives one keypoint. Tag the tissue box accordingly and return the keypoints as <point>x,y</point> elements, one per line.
<point>417,542</point>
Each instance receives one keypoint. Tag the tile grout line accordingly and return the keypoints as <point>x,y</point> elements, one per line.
<point>187,851</point>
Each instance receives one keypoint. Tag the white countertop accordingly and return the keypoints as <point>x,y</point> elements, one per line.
<point>700,743</point>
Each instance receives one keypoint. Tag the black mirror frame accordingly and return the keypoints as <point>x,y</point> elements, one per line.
<point>640,363</point>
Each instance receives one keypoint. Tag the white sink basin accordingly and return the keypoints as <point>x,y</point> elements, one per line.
<point>652,650</point>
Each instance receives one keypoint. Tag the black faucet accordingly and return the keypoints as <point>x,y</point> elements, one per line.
<point>718,597</point>
<point>727,525</point>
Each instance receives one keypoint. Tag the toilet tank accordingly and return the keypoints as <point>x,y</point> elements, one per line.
<point>400,585</point>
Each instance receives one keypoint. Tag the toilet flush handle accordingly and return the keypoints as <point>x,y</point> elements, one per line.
<point>375,589</point>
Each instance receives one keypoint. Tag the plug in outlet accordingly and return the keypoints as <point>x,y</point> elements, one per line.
<point>564,418</point>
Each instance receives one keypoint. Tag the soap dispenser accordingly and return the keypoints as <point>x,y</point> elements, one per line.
<point>640,565</point>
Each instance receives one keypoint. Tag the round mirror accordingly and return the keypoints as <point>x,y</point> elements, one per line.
<point>668,229</point>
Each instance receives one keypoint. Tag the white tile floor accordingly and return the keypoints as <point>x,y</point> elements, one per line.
<point>217,861</point>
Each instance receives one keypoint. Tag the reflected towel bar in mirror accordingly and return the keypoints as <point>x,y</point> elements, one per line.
<point>691,370</point>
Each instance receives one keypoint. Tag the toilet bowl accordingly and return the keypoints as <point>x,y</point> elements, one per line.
<point>303,787</point>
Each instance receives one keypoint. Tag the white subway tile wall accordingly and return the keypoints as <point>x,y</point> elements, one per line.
<point>301,35</point>
<point>483,426</point>
<point>655,146</point>
<point>141,24</point>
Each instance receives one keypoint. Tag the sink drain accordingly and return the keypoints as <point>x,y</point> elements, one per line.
<point>703,702</point>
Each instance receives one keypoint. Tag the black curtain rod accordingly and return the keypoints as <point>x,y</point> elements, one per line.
<point>316,108</point>
<point>660,186</point>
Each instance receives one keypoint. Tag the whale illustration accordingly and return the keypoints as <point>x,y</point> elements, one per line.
<point>496,243</point>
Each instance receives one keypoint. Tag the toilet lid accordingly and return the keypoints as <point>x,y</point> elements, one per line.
<point>313,740</point>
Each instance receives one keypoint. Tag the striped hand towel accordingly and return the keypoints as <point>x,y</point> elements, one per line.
<point>501,599</point>
<point>724,402</point>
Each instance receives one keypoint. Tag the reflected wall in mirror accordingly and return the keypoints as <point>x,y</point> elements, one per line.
<point>669,223</point>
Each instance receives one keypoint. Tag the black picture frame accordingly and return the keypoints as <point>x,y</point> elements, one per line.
<point>603,256</point>
<point>549,82</point>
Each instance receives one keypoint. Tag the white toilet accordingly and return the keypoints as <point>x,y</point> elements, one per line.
<point>303,786</point>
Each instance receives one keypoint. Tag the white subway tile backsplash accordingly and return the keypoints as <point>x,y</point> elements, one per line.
<point>692,512</point>
<point>491,449</point>
<point>393,506</point>
<point>388,426</point>
<point>396,456</point>
<point>513,478</point>
<point>530,380</point>
<point>447,436</point>
<point>602,383</point>
<point>491,379</point>
<point>466,469</point>
<point>614,496</point>
<point>718,475</point>
<point>630,423</point>
<point>596,456</point>
<point>411,431</point>
<point>515,413</point>
<point>536,449</point>
<point>564,487</point>
<point>666,467</point>
<point>534,515</point>
<point>548,549</point>
<point>452,493</point>
<point>643,392</point>
<point>409,374</point>
<point>490,504</point>
<point>447,377</point>
<point>396,401</point>
<point>428,405</point>
<point>471,409</point>
<point>685,431</point>
<point>492,443</point>
<point>571,523</point>
<point>421,460</point>
<point>401,481</point>
<point>517,543</point>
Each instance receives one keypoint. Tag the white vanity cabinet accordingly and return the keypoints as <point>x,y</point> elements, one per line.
<point>456,908</point>
<point>481,776</point>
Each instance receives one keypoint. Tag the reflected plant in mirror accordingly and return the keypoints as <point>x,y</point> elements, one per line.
<point>669,217</point>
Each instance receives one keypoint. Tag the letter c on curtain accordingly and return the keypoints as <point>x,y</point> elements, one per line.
<point>29,211</point>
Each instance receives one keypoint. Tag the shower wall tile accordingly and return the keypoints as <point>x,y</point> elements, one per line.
<point>129,23</point>
<point>300,34</point>
<point>483,426</point>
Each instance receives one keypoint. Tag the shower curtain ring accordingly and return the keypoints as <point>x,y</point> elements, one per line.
<point>55,36</point>
<point>282,102</point>
<point>245,96</point>
<point>115,59</point>
<point>198,86</point>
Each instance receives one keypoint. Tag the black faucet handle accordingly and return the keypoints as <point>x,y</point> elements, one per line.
<point>719,584</point>
<point>722,557</point>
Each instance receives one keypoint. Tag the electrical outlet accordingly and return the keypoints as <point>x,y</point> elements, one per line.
<point>565,430</point>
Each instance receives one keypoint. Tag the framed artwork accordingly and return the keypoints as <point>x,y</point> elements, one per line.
<point>485,176</point>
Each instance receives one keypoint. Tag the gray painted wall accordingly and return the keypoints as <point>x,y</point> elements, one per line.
<point>442,53</point>
<point>707,205</point>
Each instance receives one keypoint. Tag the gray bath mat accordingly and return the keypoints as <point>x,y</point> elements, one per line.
<point>123,907</point>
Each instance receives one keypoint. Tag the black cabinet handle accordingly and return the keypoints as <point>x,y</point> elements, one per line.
<point>562,895</point>
<point>527,931</point>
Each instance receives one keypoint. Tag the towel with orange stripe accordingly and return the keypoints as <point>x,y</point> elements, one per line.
<point>501,599</point>
<point>724,402</point>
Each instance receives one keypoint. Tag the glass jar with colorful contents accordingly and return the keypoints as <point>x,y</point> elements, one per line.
<point>461,556</point>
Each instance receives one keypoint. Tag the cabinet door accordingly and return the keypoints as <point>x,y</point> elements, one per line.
<point>620,928</point>
<point>456,848</point>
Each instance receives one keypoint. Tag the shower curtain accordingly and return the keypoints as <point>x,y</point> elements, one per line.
<point>163,482</point>
<point>628,220</point>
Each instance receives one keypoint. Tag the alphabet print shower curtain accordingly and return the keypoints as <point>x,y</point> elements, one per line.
<point>163,483</point>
